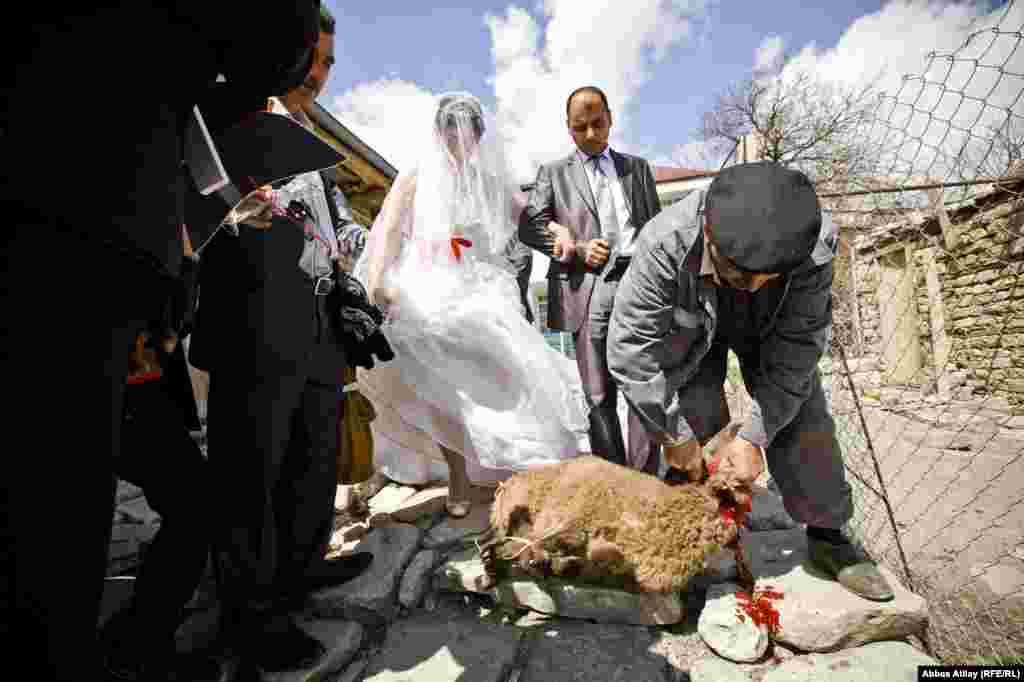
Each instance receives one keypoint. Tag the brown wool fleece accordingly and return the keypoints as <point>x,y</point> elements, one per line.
<point>604,524</point>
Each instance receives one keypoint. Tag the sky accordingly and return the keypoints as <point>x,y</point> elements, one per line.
<point>661,62</point>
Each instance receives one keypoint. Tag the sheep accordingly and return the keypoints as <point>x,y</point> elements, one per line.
<point>599,523</point>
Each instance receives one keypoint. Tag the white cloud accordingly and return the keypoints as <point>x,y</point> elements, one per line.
<point>608,43</point>
<point>392,116</point>
<point>695,155</point>
<point>894,42</point>
<point>769,54</point>
<point>537,63</point>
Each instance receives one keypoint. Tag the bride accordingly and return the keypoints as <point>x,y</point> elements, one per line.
<point>469,371</point>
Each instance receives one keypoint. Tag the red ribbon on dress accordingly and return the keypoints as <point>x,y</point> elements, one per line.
<point>456,243</point>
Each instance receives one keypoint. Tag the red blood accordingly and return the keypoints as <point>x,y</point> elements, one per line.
<point>759,608</point>
<point>733,513</point>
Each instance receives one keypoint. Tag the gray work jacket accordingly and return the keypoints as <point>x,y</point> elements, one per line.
<point>664,320</point>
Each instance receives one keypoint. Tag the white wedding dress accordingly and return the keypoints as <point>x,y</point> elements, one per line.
<point>469,373</point>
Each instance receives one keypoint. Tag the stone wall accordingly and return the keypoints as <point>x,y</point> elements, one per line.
<point>968,272</point>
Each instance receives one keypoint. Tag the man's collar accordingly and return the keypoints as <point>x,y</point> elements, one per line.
<point>277,106</point>
<point>707,264</point>
<point>302,119</point>
<point>584,157</point>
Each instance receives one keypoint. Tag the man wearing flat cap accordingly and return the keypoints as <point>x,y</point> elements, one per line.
<point>747,266</point>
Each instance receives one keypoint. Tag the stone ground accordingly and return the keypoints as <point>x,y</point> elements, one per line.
<point>418,613</point>
<point>952,471</point>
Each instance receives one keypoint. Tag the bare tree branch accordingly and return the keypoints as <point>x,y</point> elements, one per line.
<point>797,121</point>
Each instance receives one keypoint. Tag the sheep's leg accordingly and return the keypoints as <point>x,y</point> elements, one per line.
<point>458,503</point>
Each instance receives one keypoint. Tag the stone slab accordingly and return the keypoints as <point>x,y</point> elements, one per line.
<point>818,614</point>
<point>444,647</point>
<point>586,602</point>
<point>371,598</point>
<point>581,652</point>
<point>342,641</point>
<point>452,531</point>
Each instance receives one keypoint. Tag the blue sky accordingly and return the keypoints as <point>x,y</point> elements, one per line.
<point>662,61</point>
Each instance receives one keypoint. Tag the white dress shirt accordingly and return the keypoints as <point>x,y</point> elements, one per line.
<point>625,227</point>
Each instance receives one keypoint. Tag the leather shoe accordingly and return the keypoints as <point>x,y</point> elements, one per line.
<point>606,435</point>
<point>337,571</point>
<point>844,563</point>
<point>284,649</point>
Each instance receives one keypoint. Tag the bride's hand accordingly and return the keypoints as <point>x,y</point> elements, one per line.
<point>385,298</point>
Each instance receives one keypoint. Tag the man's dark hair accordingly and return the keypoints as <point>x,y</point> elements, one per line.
<point>326,20</point>
<point>592,89</point>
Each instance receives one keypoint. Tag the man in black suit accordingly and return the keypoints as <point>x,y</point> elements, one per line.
<point>264,331</point>
<point>586,212</point>
<point>106,91</point>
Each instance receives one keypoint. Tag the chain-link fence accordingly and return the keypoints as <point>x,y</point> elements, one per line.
<point>926,376</point>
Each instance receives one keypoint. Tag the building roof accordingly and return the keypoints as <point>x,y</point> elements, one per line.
<point>335,127</point>
<point>674,174</point>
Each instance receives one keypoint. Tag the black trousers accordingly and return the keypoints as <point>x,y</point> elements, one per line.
<point>273,454</point>
<point>159,456</point>
<point>65,345</point>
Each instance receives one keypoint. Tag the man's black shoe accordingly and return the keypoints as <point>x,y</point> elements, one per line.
<point>337,571</point>
<point>283,650</point>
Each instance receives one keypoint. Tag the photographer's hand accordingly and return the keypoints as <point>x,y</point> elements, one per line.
<point>256,210</point>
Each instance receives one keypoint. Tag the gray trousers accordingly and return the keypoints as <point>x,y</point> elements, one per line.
<point>804,459</point>
<point>602,393</point>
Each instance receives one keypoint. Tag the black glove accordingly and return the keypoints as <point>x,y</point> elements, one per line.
<point>359,325</point>
<point>362,355</point>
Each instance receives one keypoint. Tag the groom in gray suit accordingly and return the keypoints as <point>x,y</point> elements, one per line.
<point>585,212</point>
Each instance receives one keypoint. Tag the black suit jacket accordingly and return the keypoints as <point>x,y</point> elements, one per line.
<point>562,194</point>
<point>257,313</point>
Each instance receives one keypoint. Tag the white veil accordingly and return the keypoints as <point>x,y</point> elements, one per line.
<point>460,190</point>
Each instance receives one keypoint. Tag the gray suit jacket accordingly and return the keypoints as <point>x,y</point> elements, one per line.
<point>665,318</point>
<point>562,194</point>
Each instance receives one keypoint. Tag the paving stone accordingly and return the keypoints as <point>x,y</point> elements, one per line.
<point>417,578</point>
<point>390,498</point>
<point>127,491</point>
<point>444,646</point>
<point>424,503</point>
<point>817,613</point>
<point>453,531</point>
<point>586,602</point>
<point>342,641</point>
<point>729,636</point>
<point>138,510</point>
<point>569,651</point>
<point>371,598</point>
<point>889,661</point>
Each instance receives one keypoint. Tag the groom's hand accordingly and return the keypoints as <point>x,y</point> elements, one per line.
<point>596,253</point>
<point>562,247</point>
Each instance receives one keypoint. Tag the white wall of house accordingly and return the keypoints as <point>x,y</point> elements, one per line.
<point>672,191</point>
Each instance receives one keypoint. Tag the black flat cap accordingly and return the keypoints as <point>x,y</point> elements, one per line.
<point>763,217</point>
